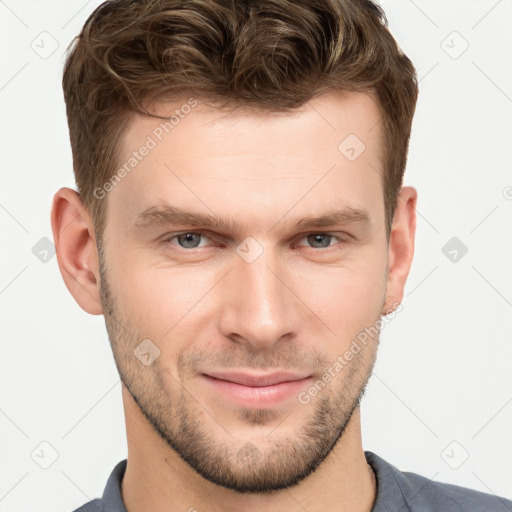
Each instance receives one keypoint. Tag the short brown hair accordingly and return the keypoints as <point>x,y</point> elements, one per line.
<point>274,55</point>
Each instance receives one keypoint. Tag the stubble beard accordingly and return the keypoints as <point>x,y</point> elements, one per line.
<point>258,467</point>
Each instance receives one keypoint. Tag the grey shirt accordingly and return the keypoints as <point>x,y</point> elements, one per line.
<point>396,491</point>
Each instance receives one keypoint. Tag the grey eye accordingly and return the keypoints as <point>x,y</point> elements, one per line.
<point>189,240</point>
<point>320,240</point>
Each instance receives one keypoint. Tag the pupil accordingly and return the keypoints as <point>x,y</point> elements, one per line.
<point>188,240</point>
<point>323,240</point>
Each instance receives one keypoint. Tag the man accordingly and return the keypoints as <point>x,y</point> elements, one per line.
<point>240,222</point>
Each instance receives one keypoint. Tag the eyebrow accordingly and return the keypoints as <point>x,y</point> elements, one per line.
<point>170,216</point>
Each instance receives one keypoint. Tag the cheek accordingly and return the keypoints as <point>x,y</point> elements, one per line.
<point>347,298</point>
<point>158,301</point>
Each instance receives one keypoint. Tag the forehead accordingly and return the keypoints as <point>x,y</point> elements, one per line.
<point>328,148</point>
<point>326,121</point>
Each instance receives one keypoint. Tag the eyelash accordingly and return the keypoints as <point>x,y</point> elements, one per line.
<point>167,240</point>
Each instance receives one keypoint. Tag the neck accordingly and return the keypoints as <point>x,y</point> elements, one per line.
<point>158,480</point>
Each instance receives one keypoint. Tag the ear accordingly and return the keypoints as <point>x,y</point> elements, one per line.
<point>75,244</point>
<point>401,248</point>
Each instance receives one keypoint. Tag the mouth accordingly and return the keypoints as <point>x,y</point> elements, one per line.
<point>256,390</point>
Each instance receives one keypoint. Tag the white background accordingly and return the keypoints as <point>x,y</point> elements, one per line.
<point>443,376</point>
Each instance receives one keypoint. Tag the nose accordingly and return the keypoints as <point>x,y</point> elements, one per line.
<point>260,306</point>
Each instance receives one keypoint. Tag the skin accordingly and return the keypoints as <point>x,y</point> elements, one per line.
<point>297,307</point>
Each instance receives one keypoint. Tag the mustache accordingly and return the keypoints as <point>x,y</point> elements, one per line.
<point>289,358</point>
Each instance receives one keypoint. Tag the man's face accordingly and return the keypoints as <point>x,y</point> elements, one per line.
<point>257,294</point>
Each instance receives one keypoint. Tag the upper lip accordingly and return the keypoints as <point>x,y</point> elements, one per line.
<point>253,379</point>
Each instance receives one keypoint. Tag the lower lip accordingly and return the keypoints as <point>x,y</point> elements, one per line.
<point>257,396</point>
